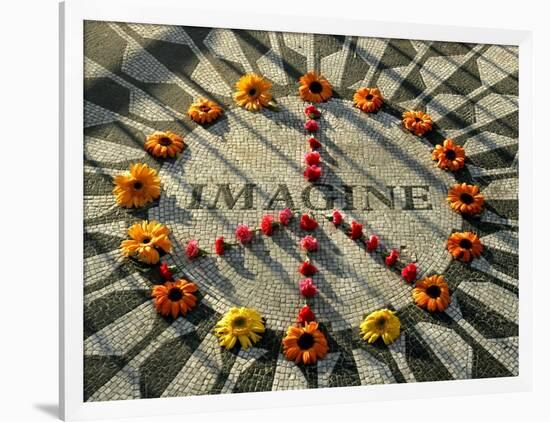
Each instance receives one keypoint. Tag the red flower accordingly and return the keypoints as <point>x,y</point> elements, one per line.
<point>165,271</point>
<point>337,217</point>
<point>372,243</point>
<point>311,126</point>
<point>312,112</point>
<point>307,268</point>
<point>312,173</point>
<point>307,288</point>
<point>308,223</point>
<point>309,243</point>
<point>305,315</point>
<point>267,225</point>
<point>409,273</point>
<point>356,230</point>
<point>244,234</point>
<point>312,158</point>
<point>314,143</point>
<point>192,250</point>
<point>392,258</point>
<point>285,216</point>
<point>219,246</point>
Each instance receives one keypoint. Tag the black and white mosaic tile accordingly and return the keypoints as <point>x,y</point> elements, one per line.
<point>141,78</point>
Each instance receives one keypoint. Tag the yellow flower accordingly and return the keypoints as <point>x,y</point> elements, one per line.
<point>241,324</point>
<point>314,88</point>
<point>253,92</point>
<point>164,144</point>
<point>382,323</point>
<point>137,187</point>
<point>204,111</point>
<point>146,238</point>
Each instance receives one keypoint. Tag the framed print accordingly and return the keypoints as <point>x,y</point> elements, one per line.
<point>261,214</point>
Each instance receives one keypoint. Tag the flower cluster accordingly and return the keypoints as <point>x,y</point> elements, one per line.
<point>354,231</point>
<point>312,159</point>
<point>304,342</point>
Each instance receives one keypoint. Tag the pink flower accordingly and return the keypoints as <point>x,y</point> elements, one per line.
<point>312,112</point>
<point>219,246</point>
<point>312,173</point>
<point>244,234</point>
<point>309,243</point>
<point>337,217</point>
<point>307,268</point>
<point>266,225</point>
<point>285,216</point>
<point>305,315</point>
<point>192,250</point>
<point>392,258</point>
<point>409,273</point>
<point>308,223</point>
<point>312,158</point>
<point>311,126</point>
<point>307,288</point>
<point>314,143</point>
<point>166,271</point>
<point>372,243</point>
<point>356,230</point>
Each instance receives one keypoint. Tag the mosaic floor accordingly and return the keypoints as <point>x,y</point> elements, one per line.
<point>142,78</point>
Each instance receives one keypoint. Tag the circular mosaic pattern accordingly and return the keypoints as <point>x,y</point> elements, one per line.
<point>142,78</point>
<point>252,163</point>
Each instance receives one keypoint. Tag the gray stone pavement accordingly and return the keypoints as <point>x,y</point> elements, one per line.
<point>141,78</point>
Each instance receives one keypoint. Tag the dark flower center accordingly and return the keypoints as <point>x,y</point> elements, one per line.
<point>465,243</point>
<point>466,198</point>
<point>450,154</point>
<point>417,119</point>
<point>380,323</point>
<point>369,97</point>
<point>204,108</point>
<point>175,294</point>
<point>306,341</point>
<point>252,92</point>
<point>165,141</point>
<point>138,185</point>
<point>316,87</point>
<point>146,240</point>
<point>239,322</point>
<point>433,291</point>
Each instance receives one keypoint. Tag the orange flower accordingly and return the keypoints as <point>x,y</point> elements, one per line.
<point>164,144</point>
<point>305,344</point>
<point>204,111</point>
<point>253,92</point>
<point>449,156</point>
<point>432,293</point>
<point>464,246</point>
<point>174,297</point>
<point>314,88</point>
<point>417,122</point>
<point>368,100</point>
<point>465,199</point>
<point>145,240</point>
<point>137,187</point>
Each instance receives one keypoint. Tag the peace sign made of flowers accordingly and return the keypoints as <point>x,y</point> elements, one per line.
<point>304,342</point>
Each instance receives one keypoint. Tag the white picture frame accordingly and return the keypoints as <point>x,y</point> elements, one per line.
<point>73,13</point>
